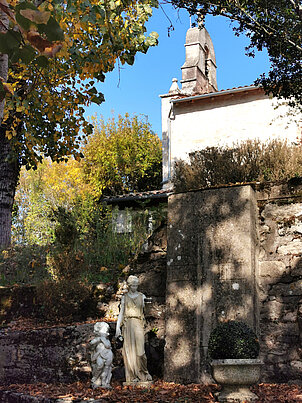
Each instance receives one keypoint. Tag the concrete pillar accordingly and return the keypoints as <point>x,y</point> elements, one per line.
<point>211,266</point>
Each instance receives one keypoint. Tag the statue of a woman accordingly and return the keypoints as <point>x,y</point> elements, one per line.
<point>131,319</point>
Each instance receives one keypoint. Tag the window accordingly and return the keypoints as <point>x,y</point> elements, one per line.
<point>121,221</point>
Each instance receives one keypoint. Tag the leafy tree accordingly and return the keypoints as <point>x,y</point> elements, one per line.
<point>30,224</point>
<point>52,54</point>
<point>275,25</point>
<point>40,192</point>
<point>123,155</point>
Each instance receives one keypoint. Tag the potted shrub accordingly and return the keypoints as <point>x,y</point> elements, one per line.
<point>234,348</point>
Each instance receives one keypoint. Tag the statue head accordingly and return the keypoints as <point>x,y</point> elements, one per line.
<point>132,283</point>
<point>101,328</point>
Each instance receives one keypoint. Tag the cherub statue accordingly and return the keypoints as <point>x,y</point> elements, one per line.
<point>101,357</point>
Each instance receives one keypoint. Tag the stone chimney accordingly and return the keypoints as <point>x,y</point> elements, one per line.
<point>199,70</point>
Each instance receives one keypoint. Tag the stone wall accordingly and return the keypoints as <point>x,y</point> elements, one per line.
<point>280,274</point>
<point>58,354</point>
<point>150,267</point>
<point>235,254</point>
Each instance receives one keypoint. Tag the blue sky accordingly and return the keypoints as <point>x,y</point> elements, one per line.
<point>136,90</point>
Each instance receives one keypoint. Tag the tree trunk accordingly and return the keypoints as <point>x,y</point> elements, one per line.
<point>9,175</point>
<point>9,172</point>
<point>4,22</point>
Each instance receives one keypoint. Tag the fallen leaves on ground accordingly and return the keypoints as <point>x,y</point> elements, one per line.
<point>281,393</point>
<point>160,392</point>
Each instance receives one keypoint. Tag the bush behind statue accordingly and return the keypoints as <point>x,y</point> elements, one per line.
<point>248,161</point>
<point>233,340</point>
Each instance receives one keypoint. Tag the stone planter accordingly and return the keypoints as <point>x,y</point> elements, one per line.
<point>236,376</point>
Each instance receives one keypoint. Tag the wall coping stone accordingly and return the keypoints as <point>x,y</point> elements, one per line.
<point>265,191</point>
<point>9,396</point>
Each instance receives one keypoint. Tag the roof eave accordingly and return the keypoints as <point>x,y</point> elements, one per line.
<point>215,94</point>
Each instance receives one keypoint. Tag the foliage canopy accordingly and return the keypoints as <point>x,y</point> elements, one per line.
<point>57,51</point>
<point>123,155</point>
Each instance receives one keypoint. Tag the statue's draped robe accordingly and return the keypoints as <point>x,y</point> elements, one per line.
<point>134,342</point>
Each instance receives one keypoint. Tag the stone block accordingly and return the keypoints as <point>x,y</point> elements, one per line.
<point>153,283</point>
<point>293,248</point>
<point>297,366</point>
<point>280,331</point>
<point>282,212</point>
<point>290,316</point>
<point>269,241</point>
<point>274,269</point>
<point>290,289</point>
<point>271,310</point>
<point>280,372</point>
<point>296,270</point>
<point>182,273</point>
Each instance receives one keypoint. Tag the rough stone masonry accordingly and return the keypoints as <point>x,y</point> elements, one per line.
<point>235,253</point>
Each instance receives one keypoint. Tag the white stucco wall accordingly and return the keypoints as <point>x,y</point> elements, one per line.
<point>219,120</point>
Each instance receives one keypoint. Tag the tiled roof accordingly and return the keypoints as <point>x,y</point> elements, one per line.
<point>186,97</point>
<point>136,196</point>
<point>239,87</point>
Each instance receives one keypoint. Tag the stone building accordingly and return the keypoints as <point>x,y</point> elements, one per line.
<point>199,115</point>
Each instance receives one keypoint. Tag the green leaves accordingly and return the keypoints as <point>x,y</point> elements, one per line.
<point>97,99</point>
<point>152,39</point>
<point>31,22</point>
<point>10,42</point>
<point>24,22</point>
<point>27,53</point>
<point>52,30</point>
<point>41,61</point>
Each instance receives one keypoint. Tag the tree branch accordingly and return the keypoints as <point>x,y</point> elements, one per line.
<point>261,27</point>
<point>297,8</point>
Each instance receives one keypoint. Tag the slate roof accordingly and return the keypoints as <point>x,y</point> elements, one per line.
<point>138,196</point>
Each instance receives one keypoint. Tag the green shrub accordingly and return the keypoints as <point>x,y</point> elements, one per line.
<point>233,339</point>
<point>65,301</point>
<point>248,161</point>
<point>23,264</point>
<point>83,246</point>
<point>99,253</point>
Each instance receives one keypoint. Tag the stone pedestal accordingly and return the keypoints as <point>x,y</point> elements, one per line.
<point>236,376</point>
<point>146,384</point>
<point>211,266</point>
